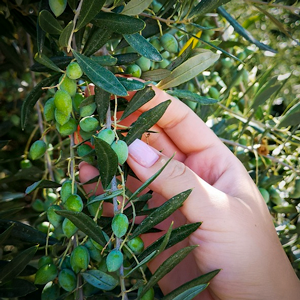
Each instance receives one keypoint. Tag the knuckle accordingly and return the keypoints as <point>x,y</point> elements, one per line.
<point>177,170</point>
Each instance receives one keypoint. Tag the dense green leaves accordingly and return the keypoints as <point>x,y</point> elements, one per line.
<point>142,46</point>
<point>85,224</point>
<point>107,161</point>
<point>161,213</point>
<point>16,288</point>
<point>100,76</point>
<point>119,23</point>
<point>145,121</point>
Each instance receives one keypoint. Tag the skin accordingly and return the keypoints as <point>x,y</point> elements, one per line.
<point>237,234</point>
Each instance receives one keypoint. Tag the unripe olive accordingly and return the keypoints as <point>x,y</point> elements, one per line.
<point>51,197</point>
<point>45,274</point>
<point>88,124</point>
<point>165,54</point>
<point>114,260</point>
<point>154,41</point>
<point>213,92</point>
<point>95,253</point>
<point>227,62</point>
<point>53,217</point>
<point>265,194</point>
<point>66,190</point>
<point>149,295</point>
<point>164,63</point>
<point>74,203</point>
<point>63,101</point>
<point>68,128</point>
<point>87,110</point>
<point>107,135</point>
<point>136,245</point>
<point>57,6</point>
<point>144,63</point>
<point>74,71</point>
<point>102,266</point>
<point>120,225</point>
<point>68,85</point>
<point>121,149</point>
<point>86,135</point>
<point>50,291</point>
<point>67,280</point>
<point>68,228</point>
<point>38,205</point>
<point>77,99</point>
<point>44,226</point>
<point>58,232</point>
<point>37,149</point>
<point>156,6</point>
<point>45,260</point>
<point>80,258</point>
<point>61,118</point>
<point>169,43</point>
<point>241,55</point>
<point>25,164</point>
<point>49,109</point>
<point>134,70</point>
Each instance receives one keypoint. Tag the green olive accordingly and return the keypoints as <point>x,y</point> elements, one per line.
<point>67,280</point>
<point>169,43</point>
<point>49,109</point>
<point>114,260</point>
<point>68,85</point>
<point>37,149</point>
<point>45,274</point>
<point>88,124</point>
<point>63,101</point>
<point>120,225</point>
<point>74,71</point>
<point>121,149</point>
<point>134,70</point>
<point>74,203</point>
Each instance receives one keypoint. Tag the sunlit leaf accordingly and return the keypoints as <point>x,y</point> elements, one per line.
<point>134,7</point>
<point>100,76</point>
<point>161,213</point>
<point>189,69</point>
<point>85,224</point>
<point>142,46</point>
<point>107,161</point>
<point>145,121</point>
<point>156,75</point>
<point>89,9</point>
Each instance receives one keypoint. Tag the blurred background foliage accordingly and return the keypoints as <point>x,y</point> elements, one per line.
<point>256,83</point>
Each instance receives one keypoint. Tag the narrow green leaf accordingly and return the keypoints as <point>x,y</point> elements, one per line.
<point>100,280</point>
<point>143,262</point>
<point>42,184</point>
<point>26,234</point>
<point>49,23</point>
<point>177,235</point>
<point>138,100</point>
<point>262,97</point>
<point>118,23</point>
<point>65,35</point>
<point>89,9</point>
<point>139,204</point>
<point>100,76</point>
<point>60,61</point>
<point>126,58</point>
<point>206,6</point>
<point>166,267</point>
<point>161,213</point>
<point>156,75</point>
<point>292,117</point>
<point>107,161</point>
<point>243,32</point>
<point>145,121</point>
<point>34,96</point>
<point>180,59</point>
<point>135,7</point>
<point>98,37</point>
<point>191,293</point>
<point>142,46</point>
<point>149,180</point>
<point>102,99</point>
<point>189,69</point>
<point>85,224</point>
<point>131,84</point>
<point>16,288</point>
<point>17,264</point>
<point>203,279</point>
<point>106,196</point>
<point>44,60</point>
<point>166,239</point>
<point>4,235</point>
<point>188,95</point>
<point>104,60</point>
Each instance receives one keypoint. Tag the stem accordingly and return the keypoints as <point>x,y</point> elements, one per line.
<point>72,162</point>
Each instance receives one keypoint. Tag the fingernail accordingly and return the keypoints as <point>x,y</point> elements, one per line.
<point>142,153</point>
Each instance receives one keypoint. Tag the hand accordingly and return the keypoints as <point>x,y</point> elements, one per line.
<point>237,234</point>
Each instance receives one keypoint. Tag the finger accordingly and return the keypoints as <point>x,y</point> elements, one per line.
<point>175,178</point>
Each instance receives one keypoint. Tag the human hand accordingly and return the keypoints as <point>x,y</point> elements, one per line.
<point>237,234</point>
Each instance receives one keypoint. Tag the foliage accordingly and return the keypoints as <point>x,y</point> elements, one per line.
<point>226,62</point>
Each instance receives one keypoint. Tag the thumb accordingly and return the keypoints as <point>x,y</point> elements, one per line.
<point>145,161</point>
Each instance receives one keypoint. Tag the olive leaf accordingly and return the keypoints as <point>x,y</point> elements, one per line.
<point>65,35</point>
<point>100,279</point>
<point>44,60</point>
<point>49,23</point>
<point>16,288</point>
<point>102,99</point>
<point>134,7</point>
<point>188,95</point>
<point>42,184</point>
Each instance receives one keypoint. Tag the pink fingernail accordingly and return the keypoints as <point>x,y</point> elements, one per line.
<point>142,153</point>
